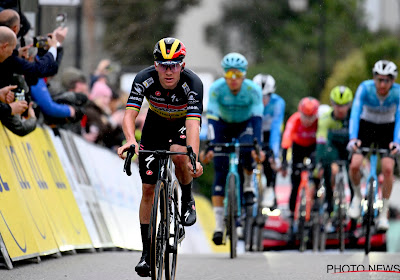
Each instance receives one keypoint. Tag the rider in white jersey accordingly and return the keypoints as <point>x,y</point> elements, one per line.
<point>273,114</point>
<point>375,119</point>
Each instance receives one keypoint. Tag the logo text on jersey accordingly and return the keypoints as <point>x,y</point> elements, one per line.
<point>138,88</point>
<point>148,82</point>
<point>186,88</point>
<point>149,160</point>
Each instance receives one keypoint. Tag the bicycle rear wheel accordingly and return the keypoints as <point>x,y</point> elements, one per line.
<point>173,235</point>
<point>369,216</point>
<point>341,215</point>
<point>232,213</point>
<point>248,228</point>
<point>260,218</point>
<point>251,220</point>
<point>302,221</point>
<point>158,232</point>
<point>316,229</point>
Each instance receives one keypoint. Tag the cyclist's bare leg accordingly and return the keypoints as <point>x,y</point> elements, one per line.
<point>188,209</point>
<point>355,172</point>
<point>181,168</point>
<point>354,210</point>
<point>334,172</point>
<point>146,203</point>
<point>387,170</point>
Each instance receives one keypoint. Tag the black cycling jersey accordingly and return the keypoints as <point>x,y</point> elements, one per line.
<point>166,119</point>
<point>184,101</point>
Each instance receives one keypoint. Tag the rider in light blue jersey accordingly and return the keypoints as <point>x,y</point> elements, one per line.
<point>235,110</point>
<point>375,119</point>
<point>274,111</point>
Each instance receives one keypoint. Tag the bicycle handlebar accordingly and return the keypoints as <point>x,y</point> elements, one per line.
<point>131,153</point>
<point>373,150</point>
<point>234,144</point>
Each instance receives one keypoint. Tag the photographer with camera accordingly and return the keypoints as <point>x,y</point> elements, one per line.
<point>44,67</point>
<point>10,115</point>
<point>8,106</point>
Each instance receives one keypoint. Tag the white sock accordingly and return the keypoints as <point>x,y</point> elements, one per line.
<point>219,218</point>
<point>357,191</point>
<point>385,207</point>
<point>247,182</point>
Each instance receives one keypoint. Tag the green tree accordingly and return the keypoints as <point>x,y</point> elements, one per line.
<point>134,26</point>
<point>357,66</point>
<point>270,33</point>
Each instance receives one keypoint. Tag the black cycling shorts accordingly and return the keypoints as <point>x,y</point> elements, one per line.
<point>379,134</point>
<point>158,134</point>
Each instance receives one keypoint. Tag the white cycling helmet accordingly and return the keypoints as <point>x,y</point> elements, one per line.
<point>266,82</point>
<point>385,67</point>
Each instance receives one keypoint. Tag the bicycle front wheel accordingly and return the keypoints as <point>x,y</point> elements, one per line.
<point>341,215</point>
<point>174,233</point>
<point>158,232</point>
<point>232,213</point>
<point>369,216</point>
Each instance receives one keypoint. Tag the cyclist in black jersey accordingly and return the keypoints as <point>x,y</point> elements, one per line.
<point>175,97</point>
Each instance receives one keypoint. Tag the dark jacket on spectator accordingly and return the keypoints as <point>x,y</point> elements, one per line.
<point>19,126</point>
<point>5,110</point>
<point>44,67</point>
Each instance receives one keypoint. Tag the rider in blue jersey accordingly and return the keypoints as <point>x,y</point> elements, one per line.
<point>375,119</point>
<point>235,110</point>
<point>274,111</point>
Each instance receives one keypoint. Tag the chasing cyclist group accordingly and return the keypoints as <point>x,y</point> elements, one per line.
<point>244,109</point>
<point>325,136</point>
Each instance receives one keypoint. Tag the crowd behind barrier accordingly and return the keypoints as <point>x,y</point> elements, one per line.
<point>60,193</point>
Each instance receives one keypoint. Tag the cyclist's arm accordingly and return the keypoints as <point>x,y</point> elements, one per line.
<point>128,125</point>
<point>213,106</point>
<point>322,134</point>
<point>396,137</point>
<point>193,115</point>
<point>287,137</point>
<point>193,135</point>
<point>257,111</point>
<point>276,124</point>
<point>356,110</point>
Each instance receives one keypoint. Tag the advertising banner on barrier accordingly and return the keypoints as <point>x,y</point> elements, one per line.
<point>76,188</point>
<point>118,194</point>
<point>53,189</point>
<point>15,223</point>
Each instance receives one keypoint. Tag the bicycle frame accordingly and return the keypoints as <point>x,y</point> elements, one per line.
<point>373,159</point>
<point>304,184</point>
<point>233,169</point>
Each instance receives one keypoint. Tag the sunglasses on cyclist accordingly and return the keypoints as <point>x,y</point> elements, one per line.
<point>234,74</point>
<point>174,66</point>
<point>382,80</point>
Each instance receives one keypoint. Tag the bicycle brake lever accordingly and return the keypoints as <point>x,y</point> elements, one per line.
<point>192,157</point>
<point>128,160</point>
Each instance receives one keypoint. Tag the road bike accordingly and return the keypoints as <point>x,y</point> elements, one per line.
<point>255,221</point>
<point>338,216</point>
<point>302,213</point>
<point>232,200</point>
<point>371,204</point>
<point>166,230</point>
